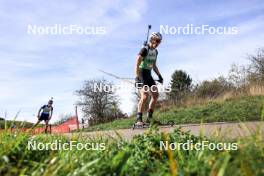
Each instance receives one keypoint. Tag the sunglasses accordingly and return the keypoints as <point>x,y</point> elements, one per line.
<point>157,40</point>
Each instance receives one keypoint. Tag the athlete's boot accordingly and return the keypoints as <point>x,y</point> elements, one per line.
<point>149,117</point>
<point>139,121</point>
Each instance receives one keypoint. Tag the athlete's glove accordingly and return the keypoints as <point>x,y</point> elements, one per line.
<point>138,82</point>
<point>160,79</point>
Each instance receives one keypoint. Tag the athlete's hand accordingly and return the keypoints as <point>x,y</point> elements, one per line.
<point>160,79</point>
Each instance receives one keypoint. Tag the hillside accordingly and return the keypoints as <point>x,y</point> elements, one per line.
<point>247,108</point>
<point>12,123</point>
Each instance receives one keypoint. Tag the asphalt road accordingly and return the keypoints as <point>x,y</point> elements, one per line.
<point>220,129</point>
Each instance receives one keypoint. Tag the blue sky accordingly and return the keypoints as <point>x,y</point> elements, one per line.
<point>36,67</point>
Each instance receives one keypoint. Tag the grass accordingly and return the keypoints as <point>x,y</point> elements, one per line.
<point>140,156</point>
<point>248,108</point>
<point>16,124</point>
<point>8,124</point>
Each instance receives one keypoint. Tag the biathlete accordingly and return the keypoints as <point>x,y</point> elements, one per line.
<point>45,113</point>
<point>145,62</point>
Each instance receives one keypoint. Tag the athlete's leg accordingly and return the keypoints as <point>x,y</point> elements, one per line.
<point>154,98</point>
<point>142,102</point>
<point>46,126</point>
<point>36,124</point>
<point>143,99</point>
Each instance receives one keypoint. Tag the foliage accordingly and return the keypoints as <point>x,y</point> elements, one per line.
<point>246,108</point>
<point>98,104</point>
<point>140,156</point>
<point>15,124</point>
<point>256,67</point>
<point>180,85</point>
<point>213,89</point>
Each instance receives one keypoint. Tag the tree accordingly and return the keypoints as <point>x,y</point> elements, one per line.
<point>214,88</point>
<point>180,84</point>
<point>238,75</point>
<point>98,101</point>
<point>256,67</point>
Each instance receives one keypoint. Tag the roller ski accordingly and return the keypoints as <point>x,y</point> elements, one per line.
<point>148,123</point>
<point>159,123</point>
<point>139,123</point>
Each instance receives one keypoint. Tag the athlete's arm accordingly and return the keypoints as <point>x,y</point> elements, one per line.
<point>40,111</point>
<point>142,53</point>
<point>139,60</point>
<point>156,70</point>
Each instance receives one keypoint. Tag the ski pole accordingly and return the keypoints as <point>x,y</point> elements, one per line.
<point>115,76</point>
<point>146,42</point>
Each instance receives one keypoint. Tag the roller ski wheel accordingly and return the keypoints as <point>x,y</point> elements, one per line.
<point>159,123</point>
<point>171,123</point>
<point>139,126</point>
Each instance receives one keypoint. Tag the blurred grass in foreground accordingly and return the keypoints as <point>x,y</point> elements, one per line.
<point>140,156</point>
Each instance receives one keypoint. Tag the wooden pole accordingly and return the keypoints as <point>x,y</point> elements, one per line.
<point>50,128</point>
<point>76,114</point>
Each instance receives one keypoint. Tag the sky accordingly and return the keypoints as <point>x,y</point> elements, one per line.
<point>34,68</point>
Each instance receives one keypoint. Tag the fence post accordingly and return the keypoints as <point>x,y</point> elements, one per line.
<point>76,114</point>
<point>50,128</point>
